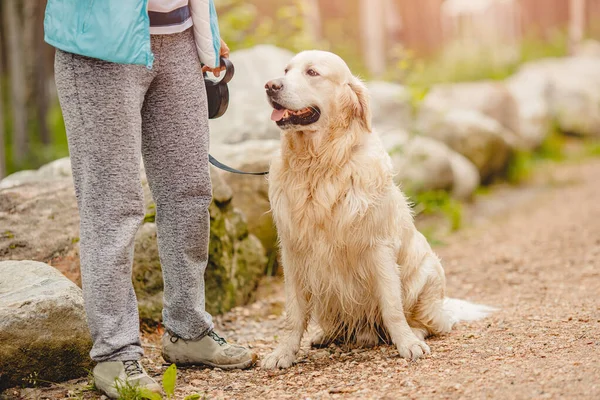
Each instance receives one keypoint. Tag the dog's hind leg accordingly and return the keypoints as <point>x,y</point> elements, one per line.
<point>429,314</point>
<point>392,312</point>
<point>367,337</point>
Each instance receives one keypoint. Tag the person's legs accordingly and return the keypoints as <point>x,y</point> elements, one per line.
<point>175,149</point>
<point>101,105</point>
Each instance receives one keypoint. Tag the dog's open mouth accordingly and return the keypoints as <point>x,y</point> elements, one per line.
<point>283,116</point>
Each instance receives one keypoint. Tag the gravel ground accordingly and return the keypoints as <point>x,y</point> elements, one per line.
<point>534,253</point>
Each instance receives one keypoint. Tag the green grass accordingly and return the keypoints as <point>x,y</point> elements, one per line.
<point>422,73</point>
<point>592,147</point>
<point>38,154</point>
<point>169,382</point>
<point>127,391</point>
<point>439,202</point>
<point>522,163</point>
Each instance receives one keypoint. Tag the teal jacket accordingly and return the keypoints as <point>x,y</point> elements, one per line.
<point>119,30</point>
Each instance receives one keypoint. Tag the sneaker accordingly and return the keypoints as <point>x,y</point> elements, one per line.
<point>109,374</point>
<point>211,350</point>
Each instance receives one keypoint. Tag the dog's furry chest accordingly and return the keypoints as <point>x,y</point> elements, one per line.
<point>317,216</point>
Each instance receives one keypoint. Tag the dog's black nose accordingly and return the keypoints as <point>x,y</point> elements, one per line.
<point>274,86</point>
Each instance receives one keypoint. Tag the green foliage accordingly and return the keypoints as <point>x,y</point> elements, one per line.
<point>519,167</point>
<point>454,66</point>
<point>127,391</point>
<point>39,153</point>
<point>194,396</point>
<point>592,148</point>
<point>552,148</point>
<point>150,217</point>
<point>522,163</point>
<point>439,202</point>
<point>242,26</point>
<point>169,380</point>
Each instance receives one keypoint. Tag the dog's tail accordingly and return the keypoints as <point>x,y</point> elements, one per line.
<point>462,310</point>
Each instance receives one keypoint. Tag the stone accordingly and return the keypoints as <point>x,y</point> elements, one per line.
<point>481,139</point>
<point>391,106</point>
<point>535,118</point>
<point>40,222</point>
<point>490,98</point>
<point>249,113</point>
<point>57,169</point>
<point>588,48</point>
<point>422,164</point>
<point>572,92</point>
<point>237,262</point>
<point>221,191</point>
<point>251,193</point>
<point>39,219</point>
<point>43,330</point>
<point>466,176</point>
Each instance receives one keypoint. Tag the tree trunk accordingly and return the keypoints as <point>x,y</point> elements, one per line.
<point>37,74</point>
<point>13,32</point>
<point>373,26</point>
<point>312,18</point>
<point>576,23</point>
<point>2,127</point>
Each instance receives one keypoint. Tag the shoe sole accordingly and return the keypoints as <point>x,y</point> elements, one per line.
<point>244,365</point>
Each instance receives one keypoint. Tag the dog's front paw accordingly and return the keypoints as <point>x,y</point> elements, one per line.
<point>278,359</point>
<point>413,349</point>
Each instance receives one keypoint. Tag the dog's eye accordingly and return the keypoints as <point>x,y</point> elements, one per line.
<point>312,72</point>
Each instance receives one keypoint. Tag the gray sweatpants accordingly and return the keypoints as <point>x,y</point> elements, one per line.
<point>114,114</point>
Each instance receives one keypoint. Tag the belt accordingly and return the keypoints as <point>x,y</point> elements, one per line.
<point>175,17</point>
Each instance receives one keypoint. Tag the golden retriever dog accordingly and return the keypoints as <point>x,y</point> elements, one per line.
<point>352,257</point>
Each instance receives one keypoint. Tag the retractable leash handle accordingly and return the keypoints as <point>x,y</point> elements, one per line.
<point>217,94</point>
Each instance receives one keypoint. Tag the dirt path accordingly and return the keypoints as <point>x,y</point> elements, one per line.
<point>538,261</point>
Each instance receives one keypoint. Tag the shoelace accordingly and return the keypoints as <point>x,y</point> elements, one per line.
<point>217,338</point>
<point>132,367</point>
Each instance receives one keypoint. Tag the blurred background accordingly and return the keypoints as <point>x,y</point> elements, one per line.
<point>414,42</point>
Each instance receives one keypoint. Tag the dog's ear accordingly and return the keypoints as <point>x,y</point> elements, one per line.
<point>362,106</point>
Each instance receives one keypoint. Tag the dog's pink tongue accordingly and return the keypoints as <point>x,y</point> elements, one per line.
<point>277,115</point>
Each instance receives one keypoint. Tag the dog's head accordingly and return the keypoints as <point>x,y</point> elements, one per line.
<point>317,92</point>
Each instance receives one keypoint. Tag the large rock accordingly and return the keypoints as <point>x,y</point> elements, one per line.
<point>43,331</point>
<point>572,91</point>
<point>588,48</point>
<point>252,192</point>
<point>466,176</point>
<point>483,140</point>
<point>249,114</point>
<point>39,220</point>
<point>237,261</point>
<point>57,169</point>
<point>391,106</point>
<point>421,164</point>
<point>38,217</point>
<point>490,98</point>
<point>530,91</point>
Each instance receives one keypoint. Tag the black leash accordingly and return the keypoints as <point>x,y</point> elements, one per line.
<point>227,168</point>
<point>217,95</point>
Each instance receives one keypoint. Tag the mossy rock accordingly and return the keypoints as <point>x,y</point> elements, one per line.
<point>43,330</point>
<point>236,263</point>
